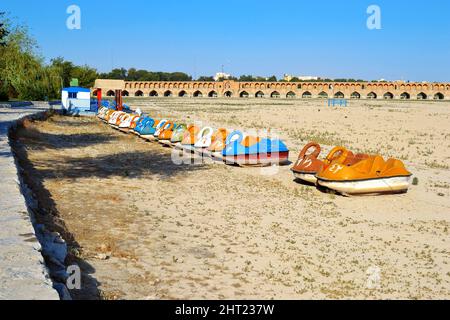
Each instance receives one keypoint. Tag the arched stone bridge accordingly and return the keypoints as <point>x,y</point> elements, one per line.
<point>236,89</point>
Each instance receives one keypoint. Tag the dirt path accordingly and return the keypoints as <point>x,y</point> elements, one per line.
<point>145,228</point>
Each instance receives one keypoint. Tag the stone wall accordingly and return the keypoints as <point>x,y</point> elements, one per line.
<point>23,274</point>
<point>293,90</point>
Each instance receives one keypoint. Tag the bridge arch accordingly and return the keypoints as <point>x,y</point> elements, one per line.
<point>153,93</point>
<point>259,94</point>
<point>290,95</point>
<point>183,94</point>
<point>372,95</point>
<point>438,96</point>
<point>110,93</point>
<point>388,96</point>
<point>244,94</point>
<point>421,96</point>
<point>355,95</point>
<point>198,94</point>
<point>139,93</point>
<point>306,95</point>
<point>405,96</point>
<point>168,93</point>
<point>339,95</point>
<point>322,95</point>
<point>275,94</point>
<point>228,94</point>
<point>212,94</point>
<point>125,93</point>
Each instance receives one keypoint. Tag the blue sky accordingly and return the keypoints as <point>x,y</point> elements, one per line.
<point>323,38</point>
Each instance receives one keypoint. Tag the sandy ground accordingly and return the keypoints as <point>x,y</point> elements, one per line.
<point>144,228</point>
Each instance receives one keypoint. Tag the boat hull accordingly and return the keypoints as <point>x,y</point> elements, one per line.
<point>370,186</point>
<point>177,145</point>
<point>124,129</point>
<point>260,159</point>
<point>217,156</point>
<point>165,143</point>
<point>188,147</point>
<point>148,137</point>
<point>204,152</point>
<point>308,177</point>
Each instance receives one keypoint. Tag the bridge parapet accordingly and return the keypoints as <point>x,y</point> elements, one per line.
<point>230,88</point>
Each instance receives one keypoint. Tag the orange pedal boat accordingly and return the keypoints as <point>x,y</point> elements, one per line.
<point>190,138</point>
<point>370,176</point>
<point>308,165</point>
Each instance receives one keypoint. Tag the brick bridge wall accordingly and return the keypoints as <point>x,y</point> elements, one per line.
<point>233,89</point>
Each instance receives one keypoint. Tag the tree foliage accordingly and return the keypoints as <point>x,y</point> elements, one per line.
<point>250,78</point>
<point>133,74</point>
<point>23,74</point>
<point>3,30</point>
<point>67,71</point>
<point>205,78</point>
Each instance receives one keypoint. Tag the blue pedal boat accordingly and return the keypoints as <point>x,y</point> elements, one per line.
<point>148,132</point>
<point>254,151</point>
<point>142,124</point>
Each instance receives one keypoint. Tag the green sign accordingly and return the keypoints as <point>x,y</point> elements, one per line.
<point>74,82</point>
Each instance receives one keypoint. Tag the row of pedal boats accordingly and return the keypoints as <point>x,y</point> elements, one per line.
<point>232,147</point>
<point>341,170</point>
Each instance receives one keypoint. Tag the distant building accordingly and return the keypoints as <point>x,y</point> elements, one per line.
<point>221,75</point>
<point>76,100</point>
<point>289,77</point>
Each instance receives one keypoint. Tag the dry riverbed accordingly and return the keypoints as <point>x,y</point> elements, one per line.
<point>142,227</point>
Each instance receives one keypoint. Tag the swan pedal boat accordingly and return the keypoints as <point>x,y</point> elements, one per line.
<point>212,144</point>
<point>164,131</point>
<point>148,133</point>
<point>125,125</point>
<point>115,116</point>
<point>108,115</point>
<point>166,134</point>
<point>204,139</point>
<point>148,130</point>
<point>176,136</point>
<point>190,138</point>
<point>141,124</point>
<point>372,176</point>
<point>308,165</point>
<point>254,151</point>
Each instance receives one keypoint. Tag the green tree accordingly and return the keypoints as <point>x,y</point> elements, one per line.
<point>3,30</point>
<point>23,73</point>
<point>246,78</point>
<point>85,75</point>
<point>179,76</point>
<point>64,68</point>
<point>205,78</point>
<point>116,74</point>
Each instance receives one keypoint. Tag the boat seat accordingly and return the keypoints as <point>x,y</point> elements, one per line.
<point>250,140</point>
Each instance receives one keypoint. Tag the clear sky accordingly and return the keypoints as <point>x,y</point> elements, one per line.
<point>323,38</point>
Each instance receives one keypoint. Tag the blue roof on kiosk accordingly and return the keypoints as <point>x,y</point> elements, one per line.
<point>76,89</point>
